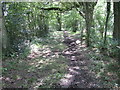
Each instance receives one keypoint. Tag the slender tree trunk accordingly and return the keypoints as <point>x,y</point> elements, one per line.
<point>3,33</point>
<point>106,24</point>
<point>59,20</point>
<point>81,33</point>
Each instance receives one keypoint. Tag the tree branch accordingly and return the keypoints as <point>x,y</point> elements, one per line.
<point>52,8</point>
<point>81,13</point>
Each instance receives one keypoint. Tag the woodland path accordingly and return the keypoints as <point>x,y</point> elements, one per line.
<point>79,75</point>
<point>31,72</point>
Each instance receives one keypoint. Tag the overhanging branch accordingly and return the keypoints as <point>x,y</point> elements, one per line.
<point>52,8</point>
<point>81,13</point>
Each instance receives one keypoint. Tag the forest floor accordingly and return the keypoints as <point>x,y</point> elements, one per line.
<point>59,62</point>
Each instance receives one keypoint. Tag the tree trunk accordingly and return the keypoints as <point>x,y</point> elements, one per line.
<point>81,32</point>
<point>116,31</point>
<point>87,14</point>
<point>106,23</point>
<point>88,19</point>
<point>0,31</point>
<point>75,26</point>
<point>3,33</point>
<point>59,20</point>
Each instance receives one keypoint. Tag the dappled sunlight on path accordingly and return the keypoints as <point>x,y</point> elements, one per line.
<point>78,75</point>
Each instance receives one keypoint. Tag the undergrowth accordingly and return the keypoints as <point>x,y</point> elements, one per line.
<point>106,69</point>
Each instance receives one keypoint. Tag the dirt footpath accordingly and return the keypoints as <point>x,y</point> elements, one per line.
<point>79,75</point>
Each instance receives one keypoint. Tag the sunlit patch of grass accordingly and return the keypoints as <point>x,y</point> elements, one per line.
<point>54,42</point>
<point>46,65</point>
<point>56,67</point>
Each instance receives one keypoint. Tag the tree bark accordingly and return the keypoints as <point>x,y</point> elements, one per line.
<point>3,33</point>
<point>88,20</point>
<point>87,14</point>
<point>106,23</point>
<point>116,31</point>
<point>59,20</point>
